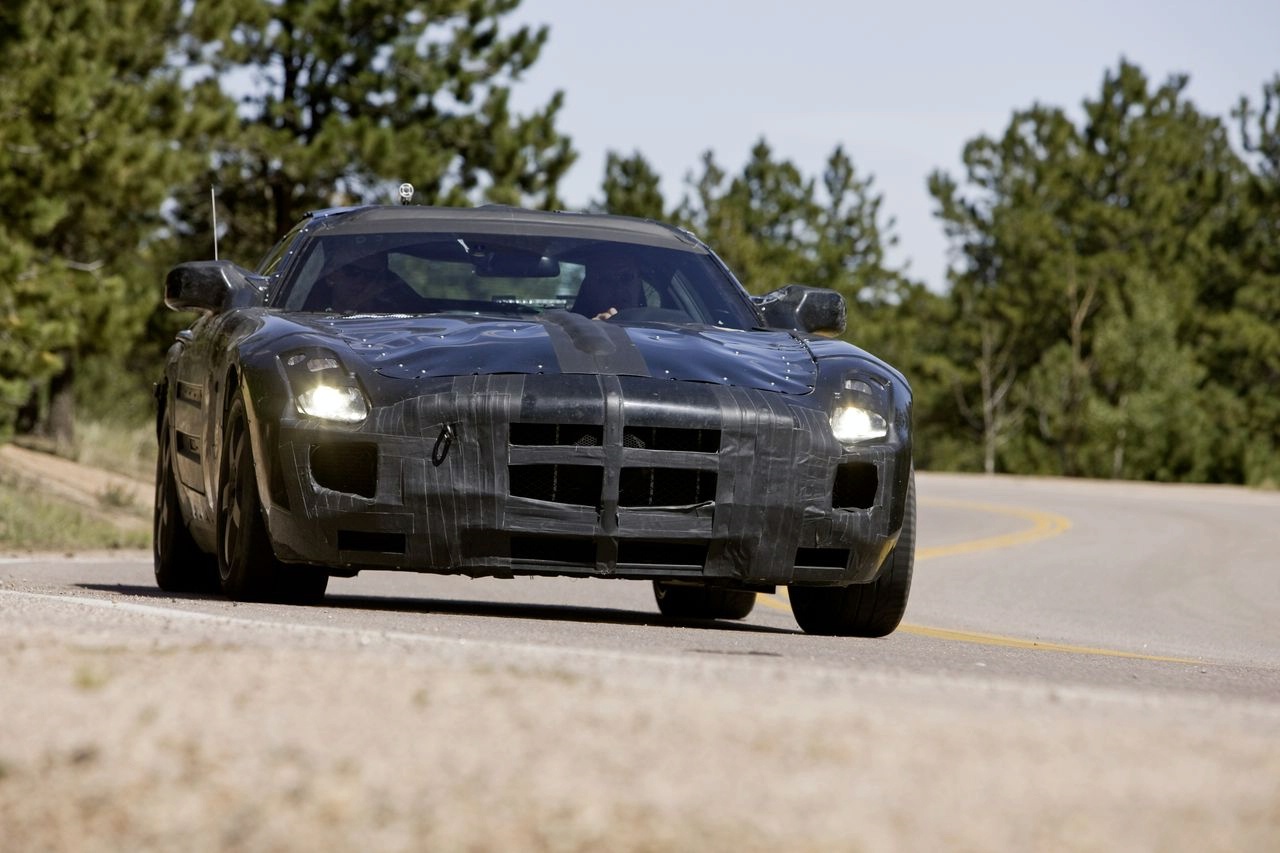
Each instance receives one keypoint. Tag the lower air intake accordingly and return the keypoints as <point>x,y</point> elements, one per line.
<point>855,486</point>
<point>351,468</point>
<point>370,542</point>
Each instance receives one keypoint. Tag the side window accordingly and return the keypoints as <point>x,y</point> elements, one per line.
<point>305,279</point>
<point>271,262</point>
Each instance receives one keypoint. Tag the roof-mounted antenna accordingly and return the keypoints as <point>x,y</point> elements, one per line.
<point>406,192</point>
<point>213,203</point>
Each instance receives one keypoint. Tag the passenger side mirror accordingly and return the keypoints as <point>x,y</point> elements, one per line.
<point>799,308</point>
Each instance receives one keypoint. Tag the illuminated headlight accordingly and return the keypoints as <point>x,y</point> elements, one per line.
<point>322,388</point>
<point>859,412</point>
<point>345,405</point>
<point>852,425</point>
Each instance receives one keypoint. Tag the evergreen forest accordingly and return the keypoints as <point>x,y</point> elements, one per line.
<point>1112,308</point>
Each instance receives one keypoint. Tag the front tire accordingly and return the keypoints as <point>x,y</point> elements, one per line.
<point>247,565</point>
<point>868,609</point>
<point>679,601</point>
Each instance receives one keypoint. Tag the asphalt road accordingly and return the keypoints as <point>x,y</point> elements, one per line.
<point>1066,582</point>
<point>1151,611</point>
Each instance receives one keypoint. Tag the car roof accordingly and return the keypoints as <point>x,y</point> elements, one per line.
<point>502,219</point>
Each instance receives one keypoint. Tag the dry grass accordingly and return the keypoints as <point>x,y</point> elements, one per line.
<point>124,450</point>
<point>35,514</point>
<point>32,519</point>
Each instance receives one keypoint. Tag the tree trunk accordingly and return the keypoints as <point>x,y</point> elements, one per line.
<point>55,425</point>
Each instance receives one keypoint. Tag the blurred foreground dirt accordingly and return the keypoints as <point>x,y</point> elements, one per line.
<point>126,730</point>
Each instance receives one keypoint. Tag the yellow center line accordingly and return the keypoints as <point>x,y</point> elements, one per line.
<point>1044,525</point>
<point>1037,645</point>
<point>774,601</point>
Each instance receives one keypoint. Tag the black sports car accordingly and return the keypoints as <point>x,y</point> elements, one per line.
<point>496,391</point>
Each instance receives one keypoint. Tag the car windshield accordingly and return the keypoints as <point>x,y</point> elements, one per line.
<point>506,274</point>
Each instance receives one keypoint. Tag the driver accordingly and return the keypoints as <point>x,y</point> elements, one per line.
<point>366,285</point>
<point>611,285</point>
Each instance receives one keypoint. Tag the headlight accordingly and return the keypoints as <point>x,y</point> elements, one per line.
<point>860,411</point>
<point>323,389</point>
<point>852,425</point>
<point>343,404</point>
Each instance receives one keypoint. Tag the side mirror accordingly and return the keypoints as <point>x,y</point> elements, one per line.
<point>212,287</point>
<point>798,308</point>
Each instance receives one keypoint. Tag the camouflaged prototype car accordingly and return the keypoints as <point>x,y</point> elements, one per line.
<point>499,392</point>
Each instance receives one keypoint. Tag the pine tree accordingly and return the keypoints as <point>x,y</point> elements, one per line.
<point>774,225</point>
<point>631,188</point>
<point>341,100</point>
<point>87,158</point>
<point>1013,290</point>
<point>1244,356</point>
<point>1093,261</point>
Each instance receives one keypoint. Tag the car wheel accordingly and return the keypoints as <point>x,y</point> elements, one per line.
<point>681,601</point>
<point>247,564</point>
<point>869,609</point>
<point>180,565</point>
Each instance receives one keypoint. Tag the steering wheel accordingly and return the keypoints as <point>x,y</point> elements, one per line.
<point>647,314</point>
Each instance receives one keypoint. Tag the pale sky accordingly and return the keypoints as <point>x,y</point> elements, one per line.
<point>902,86</point>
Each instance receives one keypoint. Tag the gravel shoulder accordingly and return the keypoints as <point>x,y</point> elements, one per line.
<point>130,728</point>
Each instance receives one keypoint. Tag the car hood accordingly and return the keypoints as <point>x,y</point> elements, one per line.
<point>562,342</point>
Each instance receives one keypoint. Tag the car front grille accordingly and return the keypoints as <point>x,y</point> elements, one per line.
<point>682,481</point>
<point>580,485</point>
<point>556,435</point>
<point>649,487</point>
<point>672,439</point>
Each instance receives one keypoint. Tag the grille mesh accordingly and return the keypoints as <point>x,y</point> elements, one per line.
<point>566,484</point>
<point>672,439</point>
<point>650,487</point>
<point>556,435</point>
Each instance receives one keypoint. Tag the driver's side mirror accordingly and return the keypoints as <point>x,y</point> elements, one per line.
<point>212,287</point>
<point>799,308</point>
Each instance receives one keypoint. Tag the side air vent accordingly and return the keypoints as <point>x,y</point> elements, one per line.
<point>188,445</point>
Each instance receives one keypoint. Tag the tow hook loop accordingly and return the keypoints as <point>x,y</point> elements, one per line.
<point>443,442</point>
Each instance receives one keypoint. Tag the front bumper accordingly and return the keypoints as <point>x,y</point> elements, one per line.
<point>587,475</point>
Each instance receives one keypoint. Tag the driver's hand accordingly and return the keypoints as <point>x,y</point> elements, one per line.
<point>605,315</point>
